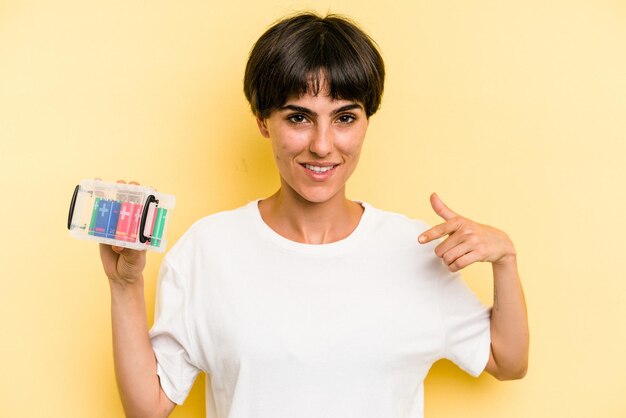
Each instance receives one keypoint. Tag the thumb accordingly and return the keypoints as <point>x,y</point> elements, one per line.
<point>440,208</point>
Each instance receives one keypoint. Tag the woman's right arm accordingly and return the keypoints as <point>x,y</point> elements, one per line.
<point>135,363</point>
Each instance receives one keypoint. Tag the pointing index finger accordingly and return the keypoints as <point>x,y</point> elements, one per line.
<point>438,231</point>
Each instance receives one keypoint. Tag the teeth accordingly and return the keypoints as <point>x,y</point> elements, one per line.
<point>318,169</point>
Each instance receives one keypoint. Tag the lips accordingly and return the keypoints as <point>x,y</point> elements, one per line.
<point>318,168</point>
<point>319,171</point>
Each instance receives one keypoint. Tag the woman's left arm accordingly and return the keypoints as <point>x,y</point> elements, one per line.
<point>469,242</point>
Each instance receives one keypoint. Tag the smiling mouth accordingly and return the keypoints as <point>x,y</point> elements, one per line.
<point>319,169</point>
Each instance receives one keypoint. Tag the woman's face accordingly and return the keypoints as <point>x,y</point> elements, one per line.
<point>316,142</point>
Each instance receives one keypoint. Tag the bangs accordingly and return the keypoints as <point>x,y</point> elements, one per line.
<point>328,56</point>
<point>324,62</point>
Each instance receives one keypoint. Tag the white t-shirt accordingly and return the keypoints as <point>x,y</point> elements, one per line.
<point>285,329</point>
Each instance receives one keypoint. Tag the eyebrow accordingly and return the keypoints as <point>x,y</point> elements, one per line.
<point>302,109</point>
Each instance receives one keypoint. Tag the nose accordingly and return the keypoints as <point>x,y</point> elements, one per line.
<point>322,141</point>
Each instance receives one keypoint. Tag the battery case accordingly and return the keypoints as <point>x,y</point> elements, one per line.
<point>124,215</point>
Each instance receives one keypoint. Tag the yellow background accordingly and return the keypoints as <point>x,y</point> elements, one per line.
<point>514,112</point>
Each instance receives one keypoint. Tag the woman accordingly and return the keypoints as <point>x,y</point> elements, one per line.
<point>307,304</point>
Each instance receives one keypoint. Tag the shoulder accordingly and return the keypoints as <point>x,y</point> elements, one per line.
<point>394,236</point>
<point>213,231</point>
<point>222,220</point>
<point>394,231</point>
<point>394,224</point>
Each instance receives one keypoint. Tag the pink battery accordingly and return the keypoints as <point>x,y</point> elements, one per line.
<point>135,220</point>
<point>152,219</point>
<point>124,222</point>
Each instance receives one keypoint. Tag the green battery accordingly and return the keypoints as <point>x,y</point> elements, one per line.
<point>159,223</point>
<point>94,215</point>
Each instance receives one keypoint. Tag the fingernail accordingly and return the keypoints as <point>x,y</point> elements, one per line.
<point>421,239</point>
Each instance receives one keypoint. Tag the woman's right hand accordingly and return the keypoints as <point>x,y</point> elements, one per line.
<point>122,265</point>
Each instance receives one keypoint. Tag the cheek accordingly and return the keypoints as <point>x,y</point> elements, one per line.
<point>350,144</point>
<point>285,147</point>
<point>283,151</point>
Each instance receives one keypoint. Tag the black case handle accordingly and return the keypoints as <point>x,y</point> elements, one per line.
<point>72,205</point>
<point>144,215</point>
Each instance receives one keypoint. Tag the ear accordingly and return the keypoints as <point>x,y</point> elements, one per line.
<point>262,127</point>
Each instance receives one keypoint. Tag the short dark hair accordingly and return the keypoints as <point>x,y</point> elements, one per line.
<point>293,54</point>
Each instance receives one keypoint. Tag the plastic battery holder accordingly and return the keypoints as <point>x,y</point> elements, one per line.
<point>125,215</point>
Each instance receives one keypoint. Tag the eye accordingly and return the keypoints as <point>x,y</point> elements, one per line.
<point>346,118</point>
<point>296,118</point>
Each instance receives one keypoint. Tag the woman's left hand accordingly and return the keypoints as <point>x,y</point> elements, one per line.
<point>468,241</point>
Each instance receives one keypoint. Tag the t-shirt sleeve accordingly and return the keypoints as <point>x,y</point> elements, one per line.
<point>466,323</point>
<point>170,336</point>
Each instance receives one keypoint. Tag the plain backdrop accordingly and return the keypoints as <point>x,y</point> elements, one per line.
<point>514,112</point>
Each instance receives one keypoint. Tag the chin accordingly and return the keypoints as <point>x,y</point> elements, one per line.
<point>318,196</point>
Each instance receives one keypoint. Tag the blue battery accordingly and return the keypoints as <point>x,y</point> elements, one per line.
<point>114,216</point>
<point>106,220</point>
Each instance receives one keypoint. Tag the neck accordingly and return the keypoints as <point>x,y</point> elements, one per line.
<point>308,222</point>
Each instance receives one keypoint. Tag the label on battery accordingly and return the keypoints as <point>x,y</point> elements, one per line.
<point>157,232</point>
<point>135,221</point>
<point>102,219</point>
<point>113,219</point>
<point>94,215</point>
<point>151,219</point>
<point>124,222</point>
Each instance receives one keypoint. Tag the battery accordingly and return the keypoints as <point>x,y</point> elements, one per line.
<point>102,218</point>
<point>94,215</point>
<point>159,224</point>
<point>135,221</point>
<point>114,216</point>
<point>124,222</point>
